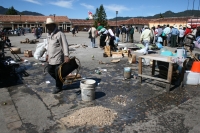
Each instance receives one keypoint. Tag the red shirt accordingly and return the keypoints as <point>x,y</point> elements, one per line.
<point>187,31</point>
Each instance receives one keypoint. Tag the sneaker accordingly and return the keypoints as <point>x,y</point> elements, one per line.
<point>57,90</point>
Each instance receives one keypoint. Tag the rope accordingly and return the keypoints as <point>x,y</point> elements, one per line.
<point>77,71</point>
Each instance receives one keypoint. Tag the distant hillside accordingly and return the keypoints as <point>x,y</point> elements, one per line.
<point>195,13</point>
<point>4,10</point>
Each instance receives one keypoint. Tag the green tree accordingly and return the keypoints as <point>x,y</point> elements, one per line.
<point>100,16</point>
<point>11,11</point>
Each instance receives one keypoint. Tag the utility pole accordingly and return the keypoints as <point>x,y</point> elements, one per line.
<point>116,18</point>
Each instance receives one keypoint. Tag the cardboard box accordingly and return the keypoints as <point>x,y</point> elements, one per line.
<point>28,53</point>
<point>106,54</point>
<point>107,49</point>
<point>15,50</point>
<point>117,55</point>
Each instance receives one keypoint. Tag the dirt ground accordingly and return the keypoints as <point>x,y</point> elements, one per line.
<point>120,106</point>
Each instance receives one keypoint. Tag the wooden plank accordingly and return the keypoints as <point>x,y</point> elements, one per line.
<point>157,57</point>
<point>153,68</point>
<point>170,72</point>
<point>150,77</point>
<point>140,68</point>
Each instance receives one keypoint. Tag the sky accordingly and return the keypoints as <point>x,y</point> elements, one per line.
<point>78,9</point>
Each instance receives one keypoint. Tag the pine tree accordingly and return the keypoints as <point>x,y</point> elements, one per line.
<point>100,16</point>
<point>11,11</point>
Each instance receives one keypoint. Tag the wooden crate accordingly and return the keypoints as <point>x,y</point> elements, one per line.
<point>117,54</point>
<point>28,53</point>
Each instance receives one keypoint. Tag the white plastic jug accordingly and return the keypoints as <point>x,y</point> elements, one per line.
<point>181,52</point>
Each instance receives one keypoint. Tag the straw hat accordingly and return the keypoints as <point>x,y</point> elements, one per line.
<point>49,21</point>
<point>188,26</point>
<point>180,27</point>
<point>175,26</point>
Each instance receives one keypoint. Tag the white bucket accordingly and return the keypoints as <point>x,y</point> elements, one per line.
<point>88,89</point>
<point>146,61</point>
<point>191,78</point>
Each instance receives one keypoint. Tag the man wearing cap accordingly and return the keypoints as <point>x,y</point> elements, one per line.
<point>57,52</point>
<point>145,38</point>
<point>174,35</point>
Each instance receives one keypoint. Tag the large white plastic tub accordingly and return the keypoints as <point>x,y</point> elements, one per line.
<point>191,78</point>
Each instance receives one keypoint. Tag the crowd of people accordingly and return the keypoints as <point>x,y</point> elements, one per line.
<point>165,35</point>
<point>6,40</point>
<point>110,36</point>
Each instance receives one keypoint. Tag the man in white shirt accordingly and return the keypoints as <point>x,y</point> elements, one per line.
<point>166,31</point>
<point>145,38</point>
<point>181,36</point>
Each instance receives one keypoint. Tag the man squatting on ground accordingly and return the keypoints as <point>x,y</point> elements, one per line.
<point>57,52</point>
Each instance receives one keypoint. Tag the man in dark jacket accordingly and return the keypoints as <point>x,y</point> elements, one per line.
<point>131,34</point>
<point>123,33</point>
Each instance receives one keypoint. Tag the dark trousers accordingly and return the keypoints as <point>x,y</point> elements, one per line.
<point>180,41</point>
<point>53,71</point>
<point>111,44</point>
<point>173,40</point>
<point>131,38</point>
<point>102,40</point>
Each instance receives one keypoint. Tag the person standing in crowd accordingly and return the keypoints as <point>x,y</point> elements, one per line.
<point>98,29</point>
<point>167,31</point>
<point>131,34</point>
<point>127,33</point>
<point>23,31</point>
<point>188,30</point>
<point>163,35</point>
<point>110,37</point>
<point>156,34</point>
<point>117,31</point>
<point>57,52</point>
<point>159,34</point>
<point>153,35</point>
<point>181,36</point>
<point>174,35</point>
<point>92,30</point>
<point>123,33</point>
<point>145,38</point>
<point>103,34</point>
<point>198,32</point>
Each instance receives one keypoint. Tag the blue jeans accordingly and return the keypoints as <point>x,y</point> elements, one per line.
<point>92,42</point>
<point>146,44</point>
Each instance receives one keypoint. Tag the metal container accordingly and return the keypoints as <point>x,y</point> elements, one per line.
<point>88,89</point>
<point>127,72</point>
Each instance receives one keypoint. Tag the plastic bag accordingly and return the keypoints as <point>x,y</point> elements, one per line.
<point>40,49</point>
<point>159,45</point>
